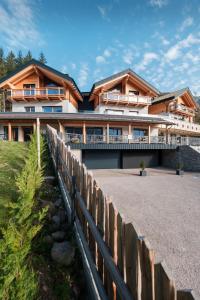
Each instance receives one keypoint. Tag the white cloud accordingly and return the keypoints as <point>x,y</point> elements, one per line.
<point>175,51</point>
<point>128,56</point>
<point>147,59</point>
<point>107,53</point>
<point>164,41</point>
<point>100,59</point>
<point>186,23</point>
<point>73,66</point>
<point>17,24</point>
<point>158,3</point>
<point>83,75</point>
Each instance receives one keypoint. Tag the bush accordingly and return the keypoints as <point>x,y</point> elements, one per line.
<point>17,279</point>
<point>142,165</point>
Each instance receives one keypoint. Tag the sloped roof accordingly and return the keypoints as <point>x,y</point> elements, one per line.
<point>172,95</point>
<point>151,119</point>
<point>127,71</point>
<point>39,64</point>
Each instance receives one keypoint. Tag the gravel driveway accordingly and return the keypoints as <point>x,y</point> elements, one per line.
<point>166,209</point>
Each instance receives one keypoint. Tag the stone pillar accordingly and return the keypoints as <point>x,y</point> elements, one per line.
<point>9,132</point>
<point>107,133</point>
<point>20,134</point>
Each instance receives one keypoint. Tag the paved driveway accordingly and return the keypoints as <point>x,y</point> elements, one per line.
<point>166,209</point>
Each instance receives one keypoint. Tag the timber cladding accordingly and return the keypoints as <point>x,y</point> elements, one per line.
<point>123,257</point>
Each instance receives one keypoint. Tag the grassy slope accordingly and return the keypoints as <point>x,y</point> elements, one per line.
<point>12,157</point>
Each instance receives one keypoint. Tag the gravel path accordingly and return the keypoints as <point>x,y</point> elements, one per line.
<point>166,209</point>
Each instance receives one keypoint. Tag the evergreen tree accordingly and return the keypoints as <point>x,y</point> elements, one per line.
<point>2,63</point>
<point>42,58</point>
<point>28,57</point>
<point>10,62</point>
<point>19,59</point>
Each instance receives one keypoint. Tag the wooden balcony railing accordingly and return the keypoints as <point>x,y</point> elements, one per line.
<point>119,98</point>
<point>179,108</point>
<point>43,93</point>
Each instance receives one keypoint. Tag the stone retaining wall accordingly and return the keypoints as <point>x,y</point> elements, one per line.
<point>183,154</point>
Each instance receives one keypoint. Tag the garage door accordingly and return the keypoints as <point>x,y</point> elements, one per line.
<point>100,159</point>
<point>132,159</point>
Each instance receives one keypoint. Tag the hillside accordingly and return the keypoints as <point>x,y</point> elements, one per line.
<point>12,157</point>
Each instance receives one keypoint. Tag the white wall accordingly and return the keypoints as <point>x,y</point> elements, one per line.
<point>66,105</point>
<point>102,109</point>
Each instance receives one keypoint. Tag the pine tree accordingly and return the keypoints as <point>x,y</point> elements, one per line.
<point>2,63</point>
<point>19,59</point>
<point>28,57</point>
<point>10,62</point>
<point>42,58</point>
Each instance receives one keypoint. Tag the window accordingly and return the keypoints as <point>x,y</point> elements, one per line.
<point>114,111</point>
<point>73,130</point>
<point>94,130</point>
<point>137,132</point>
<point>131,92</point>
<point>30,108</point>
<point>133,112</point>
<point>29,86</point>
<point>115,131</point>
<point>50,109</point>
<point>29,89</point>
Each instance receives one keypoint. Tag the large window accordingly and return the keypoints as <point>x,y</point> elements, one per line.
<point>30,108</point>
<point>115,131</point>
<point>73,130</point>
<point>50,109</point>
<point>29,89</point>
<point>137,132</point>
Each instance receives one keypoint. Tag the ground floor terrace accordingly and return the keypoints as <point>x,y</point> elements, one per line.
<point>165,208</point>
<point>97,129</point>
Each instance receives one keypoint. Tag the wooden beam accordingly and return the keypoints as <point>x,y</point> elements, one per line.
<point>107,133</point>
<point>9,132</point>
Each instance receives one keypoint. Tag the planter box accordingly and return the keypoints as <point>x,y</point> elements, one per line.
<point>179,172</point>
<point>143,173</point>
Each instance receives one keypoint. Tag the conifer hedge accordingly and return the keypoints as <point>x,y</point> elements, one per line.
<point>17,278</point>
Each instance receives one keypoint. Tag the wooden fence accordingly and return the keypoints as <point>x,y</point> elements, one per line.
<point>124,259</point>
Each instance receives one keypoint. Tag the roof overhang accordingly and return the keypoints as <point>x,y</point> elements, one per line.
<point>84,117</point>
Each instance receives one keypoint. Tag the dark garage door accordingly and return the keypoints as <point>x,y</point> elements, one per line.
<point>100,159</point>
<point>132,159</point>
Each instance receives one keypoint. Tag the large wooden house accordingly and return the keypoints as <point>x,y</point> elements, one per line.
<point>122,109</point>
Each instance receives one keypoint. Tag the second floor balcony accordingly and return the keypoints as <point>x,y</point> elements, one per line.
<point>125,99</point>
<point>45,93</point>
<point>182,109</point>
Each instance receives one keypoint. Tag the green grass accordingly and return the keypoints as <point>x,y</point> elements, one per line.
<point>12,156</point>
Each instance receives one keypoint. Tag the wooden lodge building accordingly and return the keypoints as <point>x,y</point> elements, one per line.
<point>121,114</point>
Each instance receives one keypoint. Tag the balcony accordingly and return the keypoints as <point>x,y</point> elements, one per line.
<point>128,139</point>
<point>182,110</point>
<point>124,99</point>
<point>49,93</point>
<point>181,125</point>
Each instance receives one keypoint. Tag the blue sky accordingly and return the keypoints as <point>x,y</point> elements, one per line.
<point>92,39</point>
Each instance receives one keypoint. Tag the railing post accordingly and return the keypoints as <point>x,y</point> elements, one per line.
<point>73,197</point>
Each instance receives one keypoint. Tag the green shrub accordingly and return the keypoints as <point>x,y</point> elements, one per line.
<point>142,165</point>
<point>17,279</point>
